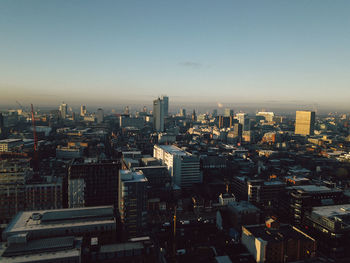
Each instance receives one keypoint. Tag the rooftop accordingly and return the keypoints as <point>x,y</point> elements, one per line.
<point>132,176</point>
<point>313,188</point>
<point>50,219</point>
<point>10,140</point>
<point>173,150</point>
<point>332,210</point>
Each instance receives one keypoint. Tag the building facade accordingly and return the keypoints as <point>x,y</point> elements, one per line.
<point>305,122</point>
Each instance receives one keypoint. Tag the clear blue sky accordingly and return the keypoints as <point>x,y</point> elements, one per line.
<point>222,51</point>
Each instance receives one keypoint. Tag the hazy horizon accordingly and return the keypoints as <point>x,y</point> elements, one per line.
<point>273,54</point>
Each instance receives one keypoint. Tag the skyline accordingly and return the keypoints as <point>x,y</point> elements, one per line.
<point>110,52</point>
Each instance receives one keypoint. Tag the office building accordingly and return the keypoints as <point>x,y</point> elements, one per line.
<point>13,176</point>
<point>44,193</point>
<point>63,152</point>
<point>158,115</point>
<point>63,110</point>
<point>295,201</point>
<point>244,121</point>
<point>165,100</point>
<point>87,222</point>
<point>305,122</point>
<point>83,110</point>
<point>226,121</point>
<point>8,145</point>
<point>183,112</point>
<point>184,168</point>
<point>127,121</point>
<point>132,201</point>
<point>2,126</point>
<point>267,116</point>
<point>330,225</point>
<point>277,243</point>
<point>228,112</point>
<point>99,115</point>
<point>92,184</point>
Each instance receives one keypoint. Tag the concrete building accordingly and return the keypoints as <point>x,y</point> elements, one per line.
<point>83,110</point>
<point>13,176</point>
<point>243,120</point>
<point>277,243</point>
<point>166,105</point>
<point>305,122</point>
<point>68,152</point>
<point>44,194</point>
<point>99,115</point>
<point>158,115</point>
<point>127,121</point>
<point>228,112</point>
<point>331,226</point>
<point>268,116</point>
<point>8,145</point>
<point>243,212</point>
<point>92,184</point>
<point>63,109</point>
<point>132,201</point>
<point>183,167</point>
<point>78,222</point>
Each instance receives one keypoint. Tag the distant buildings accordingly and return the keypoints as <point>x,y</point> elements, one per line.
<point>305,122</point>
<point>183,167</point>
<point>243,120</point>
<point>99,115</point>
<point>158,115</point>
<point>228,112</point>
<point>83,110</point>
<point>268,116</point>
<point>165,100</point>
<point>132,201</point>
<point>63,109</point>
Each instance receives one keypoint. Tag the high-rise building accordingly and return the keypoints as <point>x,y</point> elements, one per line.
<point>183,112</point>
<point>244,120</point>
<point>305,122</point>
<point>268,116</point>
<point>184,168</point>
<point>100,115</point>
<point>92,184</point>
<point>165,100</point>
<point>194,116</point>
<point>228,112</point>
<point>132,201</point>
<point>83,110</point>
<point>63,110</point>
<point>158,115</point>
<point>126,110</point>
<point>226,121</point>
<point>215,113</point>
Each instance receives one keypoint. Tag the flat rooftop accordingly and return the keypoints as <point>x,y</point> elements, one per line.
<point>332,210</point>
<point>314,188</point>
<point>284,232</point>
<point>28,221</point>
<point>132,176</point>
<point>10,140</point>
<point>173,150</point>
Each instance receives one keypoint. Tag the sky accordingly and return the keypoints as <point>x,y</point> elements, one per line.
<point>205,51</point>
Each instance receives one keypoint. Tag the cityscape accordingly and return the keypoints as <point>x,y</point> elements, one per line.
<point>143,132</point>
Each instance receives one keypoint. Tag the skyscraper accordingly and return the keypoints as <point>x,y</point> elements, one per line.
<point>158,115</point>
<point>165,100</point>
<point>183,112</point>
<point>305,122</point>
<point>82,110</point>
<point>132,201</point>
<point>244,120</point>
<point>100,115</point>
<point>63,110</point>
<point>228,112</point>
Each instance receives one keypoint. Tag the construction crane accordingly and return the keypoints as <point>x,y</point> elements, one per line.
<point>35,156</point>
